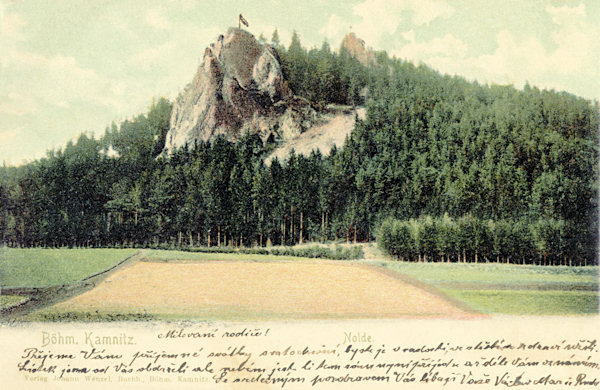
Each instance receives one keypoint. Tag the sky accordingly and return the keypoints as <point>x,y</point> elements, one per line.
<point>73,66</point>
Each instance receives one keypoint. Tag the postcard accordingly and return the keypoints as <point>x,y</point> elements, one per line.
<point>318,194</point>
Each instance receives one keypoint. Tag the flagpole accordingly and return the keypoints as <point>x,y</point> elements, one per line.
<point>242,20</point>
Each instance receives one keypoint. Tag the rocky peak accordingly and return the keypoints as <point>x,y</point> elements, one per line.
<point>356,48</point>
<point>238,87</point>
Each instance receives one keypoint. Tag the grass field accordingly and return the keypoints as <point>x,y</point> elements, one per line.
<point>160,255</point>
<point>487,288</point>
<point>37,267</point>
<point>512,289</point>
<point>11,300</point>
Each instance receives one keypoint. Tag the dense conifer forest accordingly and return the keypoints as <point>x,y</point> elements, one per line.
<point>441,169</point>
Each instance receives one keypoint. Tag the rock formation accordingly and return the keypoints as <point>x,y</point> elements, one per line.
<point>357,49</point>
<point>238,87</point>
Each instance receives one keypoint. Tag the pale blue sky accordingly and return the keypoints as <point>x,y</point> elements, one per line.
<point>69,66</point>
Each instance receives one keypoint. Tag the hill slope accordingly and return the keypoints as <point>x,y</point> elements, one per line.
<point>469,172</point>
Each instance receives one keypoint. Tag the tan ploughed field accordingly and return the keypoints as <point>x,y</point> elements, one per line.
<point>261,290</point>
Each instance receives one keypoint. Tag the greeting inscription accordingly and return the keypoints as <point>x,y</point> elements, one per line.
<point>220,357</point>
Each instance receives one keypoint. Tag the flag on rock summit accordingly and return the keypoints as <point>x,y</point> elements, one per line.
<point>242,21</point>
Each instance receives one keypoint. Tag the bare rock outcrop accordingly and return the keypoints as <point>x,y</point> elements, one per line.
<point>238,87</point>
<point>356,48</point>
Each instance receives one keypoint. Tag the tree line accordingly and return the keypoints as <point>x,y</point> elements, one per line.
<point>432,148</point>
<point>473,240</point>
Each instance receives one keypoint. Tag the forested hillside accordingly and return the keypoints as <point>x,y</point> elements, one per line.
<point>440,169</point>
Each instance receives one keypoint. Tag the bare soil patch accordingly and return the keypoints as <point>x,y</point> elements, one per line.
<point>261,290</point>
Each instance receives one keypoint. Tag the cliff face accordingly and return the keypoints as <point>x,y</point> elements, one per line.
<point>238,87</point>
<point>356,48</point>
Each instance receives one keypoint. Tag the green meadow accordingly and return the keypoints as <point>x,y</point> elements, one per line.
<point>511,289</point>
<point>38,267</point>
<point>11,300</point>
